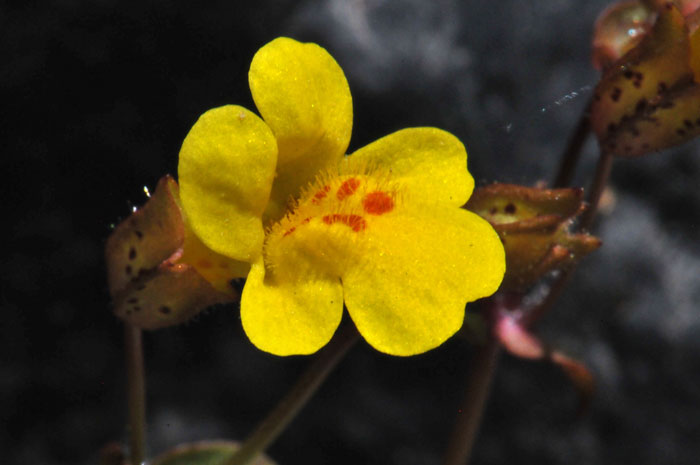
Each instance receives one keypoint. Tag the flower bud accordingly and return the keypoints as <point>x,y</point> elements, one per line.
<point>648,98</point>
<point>618,29</point>
<point>533,225</point>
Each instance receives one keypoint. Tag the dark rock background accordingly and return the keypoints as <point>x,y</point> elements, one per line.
<point>96,99</point>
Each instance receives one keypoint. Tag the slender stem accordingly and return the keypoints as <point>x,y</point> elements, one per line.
<point>483,369</point>
<point>486,359</point>
<point>555,290</point>
<point>285,411</point>
<point>574,146</point>
<point>602,174</point>
<point>136,387</point>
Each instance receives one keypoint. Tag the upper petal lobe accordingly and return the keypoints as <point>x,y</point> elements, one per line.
<point>303,95</point>
<point>226,168</point>
<point>429,162</point>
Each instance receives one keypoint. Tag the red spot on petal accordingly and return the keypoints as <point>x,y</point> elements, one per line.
<point>321,194</point>
<point>294,228</point>
<point>347,188</point>
<point>378,203</point>
<point>204,264</point>
<point>355,222</point>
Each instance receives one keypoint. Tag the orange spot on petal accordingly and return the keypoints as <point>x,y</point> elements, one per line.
<point>355,222</point>
<point>321,194</point>
<point>204,264</point>
<point>347,188</point>
<point>378,203</point>
<point>289,231</point>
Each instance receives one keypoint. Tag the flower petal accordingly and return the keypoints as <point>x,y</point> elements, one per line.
<point>226,168</point>
<point>422,267</point>
<point>290,317</point>
<point>432,163</point>
<point>217,269</point>
<point>303,95</point>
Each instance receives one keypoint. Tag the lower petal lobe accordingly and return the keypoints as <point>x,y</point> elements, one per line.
<point>290,317</point>
<point>422,266</point>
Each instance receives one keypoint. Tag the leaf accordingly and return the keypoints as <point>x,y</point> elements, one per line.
<point>205,453</point>
<point>516,339</point>
<point>519,341</point>
<point>580,377</point>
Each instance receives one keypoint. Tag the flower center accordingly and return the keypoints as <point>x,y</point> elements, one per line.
<point>326,226</point>
<point>343,200</point>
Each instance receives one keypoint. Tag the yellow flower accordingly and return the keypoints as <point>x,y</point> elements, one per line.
<point>380,230</point>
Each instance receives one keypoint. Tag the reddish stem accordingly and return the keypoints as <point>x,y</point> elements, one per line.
<point>574,146</point>
<point>483,368</point>
<point>136,387</point>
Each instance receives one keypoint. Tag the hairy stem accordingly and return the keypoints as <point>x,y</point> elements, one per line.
<point>136,391</point>
<point>483,369</point>
<point>574,146</point>
<point>296,398</point>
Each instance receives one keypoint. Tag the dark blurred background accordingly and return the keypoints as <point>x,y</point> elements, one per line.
<point>96,99</point>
